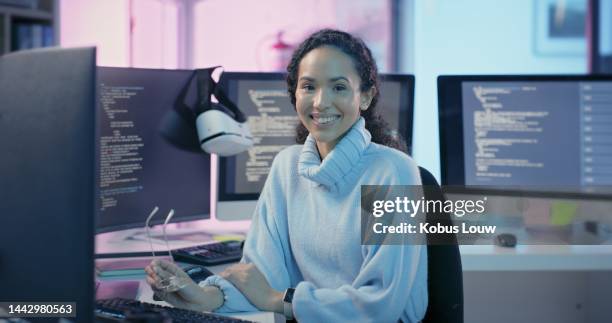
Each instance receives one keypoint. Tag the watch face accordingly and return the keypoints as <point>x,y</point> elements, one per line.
<point>289,295</point>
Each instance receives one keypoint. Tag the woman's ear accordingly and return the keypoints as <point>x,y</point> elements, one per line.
<point>366,98</point>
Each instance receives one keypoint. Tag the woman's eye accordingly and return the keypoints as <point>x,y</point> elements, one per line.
<point>339,87</point>
<point>307,87</point>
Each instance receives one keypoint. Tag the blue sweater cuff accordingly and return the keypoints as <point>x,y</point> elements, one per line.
<point>233,300</point>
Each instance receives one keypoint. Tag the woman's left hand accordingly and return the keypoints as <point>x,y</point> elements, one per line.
<point>254,286</point>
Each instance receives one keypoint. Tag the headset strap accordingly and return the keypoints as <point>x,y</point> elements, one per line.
<point>226,102</point>
<point>206,87</point>
<point>181,107</point>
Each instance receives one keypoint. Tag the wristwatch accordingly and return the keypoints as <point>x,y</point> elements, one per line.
<point>287,300</point>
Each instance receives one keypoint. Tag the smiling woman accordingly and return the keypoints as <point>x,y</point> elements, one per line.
<point>353,57</point>
<point>303,255</point>
<point>328,96</point>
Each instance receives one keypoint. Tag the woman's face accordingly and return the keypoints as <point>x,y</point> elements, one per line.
<point>328,96</point>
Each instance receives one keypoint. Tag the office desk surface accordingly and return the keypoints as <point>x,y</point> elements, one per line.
<point>146,295</point>
<point>481,258</point>
<point>536,258</point>
<point>474,257</point>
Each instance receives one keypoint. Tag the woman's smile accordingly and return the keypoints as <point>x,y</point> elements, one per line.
<point>321,120</point>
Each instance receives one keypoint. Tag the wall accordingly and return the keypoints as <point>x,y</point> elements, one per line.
<point>104,24</point>
<point>468,37</point>
<point>127,33</point>
<point>238,34</point>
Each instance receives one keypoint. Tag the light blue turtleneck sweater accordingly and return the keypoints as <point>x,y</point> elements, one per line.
<point>306,230</point>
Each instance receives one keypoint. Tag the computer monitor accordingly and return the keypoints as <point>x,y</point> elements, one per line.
<point>547,136</point>
<point>47,100</point>
<point>137,168</point>
<point>272,119</point>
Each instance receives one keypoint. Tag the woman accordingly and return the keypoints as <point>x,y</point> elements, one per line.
<point>305,233</point>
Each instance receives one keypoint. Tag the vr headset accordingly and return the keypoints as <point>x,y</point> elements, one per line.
<point>217,128</point>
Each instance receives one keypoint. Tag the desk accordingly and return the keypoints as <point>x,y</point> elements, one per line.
<point>135,240</point>
<point>123,241</point>
<point>532,283</point>
<point>567,283</point>
<point>536,258</point>
<point>145,294</point>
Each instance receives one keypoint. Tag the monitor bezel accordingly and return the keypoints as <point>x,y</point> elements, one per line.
<point>451,134</point>
<point>407,81</point>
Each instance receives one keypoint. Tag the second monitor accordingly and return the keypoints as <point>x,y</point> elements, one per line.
<point>264,99</point>
<point>545,135</point>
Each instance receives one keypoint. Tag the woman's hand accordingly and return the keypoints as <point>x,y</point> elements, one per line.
<point>190,296</point>
<point>254,286</point>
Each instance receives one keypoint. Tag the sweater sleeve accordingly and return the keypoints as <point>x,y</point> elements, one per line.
<point>391,284</point>
<point>266,246</point>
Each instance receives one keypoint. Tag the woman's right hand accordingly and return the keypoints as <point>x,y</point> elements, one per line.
<point>191,296</point>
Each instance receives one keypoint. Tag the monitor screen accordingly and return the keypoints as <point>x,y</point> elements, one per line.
<point>47,99</point>
<point>137,168</point>
<point>543,134</point>
<point>272,119</point>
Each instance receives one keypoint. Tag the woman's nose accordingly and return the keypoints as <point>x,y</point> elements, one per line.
<point>322,100</point>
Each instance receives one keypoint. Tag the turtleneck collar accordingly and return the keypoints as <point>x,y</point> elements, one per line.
<point>339,162</point>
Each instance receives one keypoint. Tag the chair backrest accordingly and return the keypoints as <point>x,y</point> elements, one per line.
<point>445,276</point>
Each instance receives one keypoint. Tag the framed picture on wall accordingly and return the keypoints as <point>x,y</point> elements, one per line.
<point>560,27</point>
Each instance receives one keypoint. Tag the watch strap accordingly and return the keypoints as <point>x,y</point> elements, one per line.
<point>287,303</point>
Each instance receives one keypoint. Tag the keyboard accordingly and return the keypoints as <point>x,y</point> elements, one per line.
<point>126,309</point>
<point>217,253</point>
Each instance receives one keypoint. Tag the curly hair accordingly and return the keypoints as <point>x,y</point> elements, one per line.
<point>367,71</point>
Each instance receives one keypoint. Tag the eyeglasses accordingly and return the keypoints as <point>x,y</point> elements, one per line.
<point>172,283</point>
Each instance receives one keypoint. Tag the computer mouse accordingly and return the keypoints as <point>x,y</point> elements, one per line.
<point>506,240</point>
<point>197,273</point>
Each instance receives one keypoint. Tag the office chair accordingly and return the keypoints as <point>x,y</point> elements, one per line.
<point>445,276</point>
